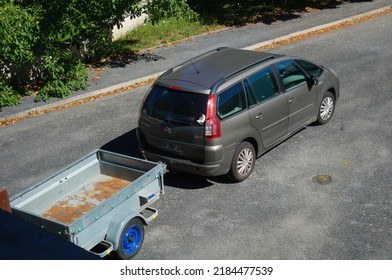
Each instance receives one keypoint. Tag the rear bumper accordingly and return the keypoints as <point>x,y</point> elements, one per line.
<point>210,169</point>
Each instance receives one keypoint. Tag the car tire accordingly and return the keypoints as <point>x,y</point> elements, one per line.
<point>243,162</point>
<point>131,240</point>
<point>326,108</point>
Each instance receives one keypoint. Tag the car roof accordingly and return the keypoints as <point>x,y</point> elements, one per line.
<point>210,69</point>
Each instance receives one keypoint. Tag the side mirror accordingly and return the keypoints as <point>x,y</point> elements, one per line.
<point>314,80</point>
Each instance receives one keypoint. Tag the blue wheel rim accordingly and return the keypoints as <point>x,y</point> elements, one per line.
<point>132,239</point>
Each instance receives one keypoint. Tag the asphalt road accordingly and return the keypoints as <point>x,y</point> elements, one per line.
<point>280,212</point>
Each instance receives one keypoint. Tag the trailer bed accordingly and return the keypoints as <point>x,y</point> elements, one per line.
<point>77,203</point>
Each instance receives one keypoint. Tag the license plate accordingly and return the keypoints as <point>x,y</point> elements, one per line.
<point>170,146</point>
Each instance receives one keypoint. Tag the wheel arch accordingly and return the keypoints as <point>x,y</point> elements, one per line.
<point>333,91</point>
<point>118,224</point>
<point>254,143</point>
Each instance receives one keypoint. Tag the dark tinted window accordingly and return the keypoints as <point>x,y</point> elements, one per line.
<point>291,74</point>
<point>231,101</point>
<point>310,68</point>
<point>264,84</point>
<point>175,105</point>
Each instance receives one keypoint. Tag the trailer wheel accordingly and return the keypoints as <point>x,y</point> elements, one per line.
<point>131,240</point>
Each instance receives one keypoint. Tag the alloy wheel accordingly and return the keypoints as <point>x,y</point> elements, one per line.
<point>326,108</point>
<point>245,161</point>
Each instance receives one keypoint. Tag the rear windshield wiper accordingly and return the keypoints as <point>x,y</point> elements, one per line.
<point>173,121</point>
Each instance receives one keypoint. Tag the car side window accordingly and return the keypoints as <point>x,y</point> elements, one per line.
<point>231,101</point>
<point>264,84</point>
<point>291,74</point>
<point>311,68</point>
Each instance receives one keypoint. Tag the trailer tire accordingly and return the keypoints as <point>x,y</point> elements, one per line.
<point>131,240</point>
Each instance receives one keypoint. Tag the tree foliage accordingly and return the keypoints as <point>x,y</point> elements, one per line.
<point>41,42</point>
<point>18,33</point>
<point>163,9</point>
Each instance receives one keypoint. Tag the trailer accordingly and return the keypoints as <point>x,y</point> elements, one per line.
<point>100,202</point>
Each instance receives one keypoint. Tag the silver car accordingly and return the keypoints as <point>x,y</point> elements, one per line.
<point>216,113</point>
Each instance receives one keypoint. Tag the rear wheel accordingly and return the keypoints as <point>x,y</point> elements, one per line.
<point>131,240</point>
<point>326,109</point>
<point>243,162</point>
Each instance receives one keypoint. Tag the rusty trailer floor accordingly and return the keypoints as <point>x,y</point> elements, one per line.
<point>84,199</point>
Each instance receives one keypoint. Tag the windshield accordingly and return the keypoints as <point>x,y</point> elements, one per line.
<point>176,106</point>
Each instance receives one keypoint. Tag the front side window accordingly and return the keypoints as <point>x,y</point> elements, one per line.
<point>231,101</point>
<point>291,74</point>
<point>264,84</point>
<point>311,68</point>
<point>175,105</point>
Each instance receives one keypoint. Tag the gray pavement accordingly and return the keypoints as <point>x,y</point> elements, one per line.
<point>124,73</point>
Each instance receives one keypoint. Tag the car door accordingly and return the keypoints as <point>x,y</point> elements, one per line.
<point>300,96</point>
<point>268,108</point>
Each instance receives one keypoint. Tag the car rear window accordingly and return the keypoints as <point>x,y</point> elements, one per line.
<point>176,106</point>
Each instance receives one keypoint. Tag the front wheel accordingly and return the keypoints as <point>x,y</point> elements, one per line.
<point>326,109</point>
<point>131,240</point>
<point>243,162</point>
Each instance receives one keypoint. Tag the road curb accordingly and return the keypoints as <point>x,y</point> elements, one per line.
<point>93,95</point>
<point>319,29</point>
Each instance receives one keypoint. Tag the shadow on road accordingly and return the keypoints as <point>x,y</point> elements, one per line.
<point>240,13</point>
<point>125,144</point>
<point>184,180</point>
<point>181,180</point>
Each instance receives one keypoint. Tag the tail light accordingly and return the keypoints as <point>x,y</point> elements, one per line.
<point>212,124</point>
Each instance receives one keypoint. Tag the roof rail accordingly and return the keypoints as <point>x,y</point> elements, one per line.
<point>171,70</point>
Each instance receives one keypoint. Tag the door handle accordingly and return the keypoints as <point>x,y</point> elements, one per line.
<point>292,100</point>
<point>259,116</point>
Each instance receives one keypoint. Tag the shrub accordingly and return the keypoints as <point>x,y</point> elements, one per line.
<point>62,73</point>
<point>8,97</point>
<point>164,9</point>
<point>18,33</point>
